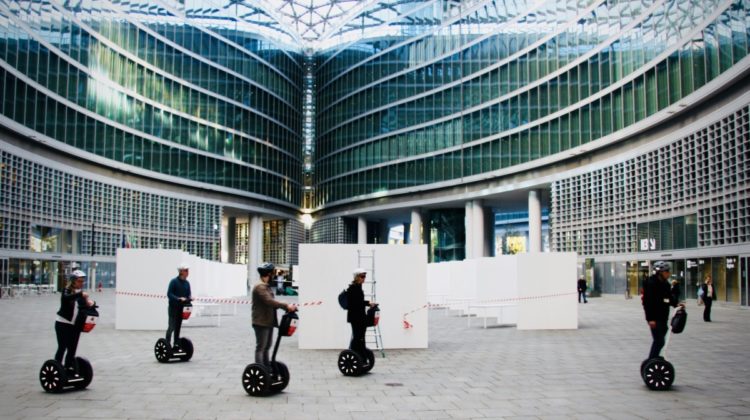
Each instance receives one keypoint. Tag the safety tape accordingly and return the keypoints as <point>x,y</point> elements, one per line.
<point>407,324</point>
<point>209,299</point>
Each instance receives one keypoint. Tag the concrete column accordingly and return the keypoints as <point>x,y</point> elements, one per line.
<point>415,228</point>
<point>361,230</point>
<point>407,232</point>
<point>478,234</point>
<point>384,230</point>
<point>228,239</point>
<point>535,221</point>
<point>468,228</point>
<point>254,247</point>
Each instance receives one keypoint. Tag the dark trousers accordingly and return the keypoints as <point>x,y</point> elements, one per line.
<point>175,323</point>
<point>581,293</point>
<point>263,338</point>
<point>707,309</point>
<point>658,333</point>
<point>67,341</point>
<point>358,338</point>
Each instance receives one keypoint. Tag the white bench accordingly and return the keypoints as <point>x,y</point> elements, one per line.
<point>484,307</point>
<point>461,303</point>
<point>205,309</point>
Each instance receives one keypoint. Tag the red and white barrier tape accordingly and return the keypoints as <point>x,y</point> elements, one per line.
<point>209,299</point>
<point>429,305</point>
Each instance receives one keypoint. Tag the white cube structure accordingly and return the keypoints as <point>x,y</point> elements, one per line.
<point>400,273</point>
<point>143,276</point>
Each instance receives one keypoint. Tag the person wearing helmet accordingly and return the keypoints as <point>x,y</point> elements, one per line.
<point>264,313</point>
<point>67,332</point>
<point>657,297</point>
<point>355,314</point>
<point>178,294</point>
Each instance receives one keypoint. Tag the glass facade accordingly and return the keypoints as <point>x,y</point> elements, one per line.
<point>501,86</point>
<point>142,88</point>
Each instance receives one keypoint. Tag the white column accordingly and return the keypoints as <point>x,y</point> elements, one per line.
<point>535,221</point>
<point>415,228</point>
<point>477,220</point>
<point>254,247</point>
<point>224,239</point>
<point>468,229</point>
<point>361,230</point>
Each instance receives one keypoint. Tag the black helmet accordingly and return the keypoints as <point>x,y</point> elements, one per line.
<point>266,269</point>
<point>661,266</point>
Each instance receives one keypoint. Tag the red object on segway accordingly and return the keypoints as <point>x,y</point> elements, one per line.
<point>288,324</point>
<point>373,316</point>
<point>87,317</point>
<point>187,310</point>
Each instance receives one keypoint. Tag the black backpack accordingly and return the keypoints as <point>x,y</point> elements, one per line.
<point>678,320</point>
<point>343,300</point>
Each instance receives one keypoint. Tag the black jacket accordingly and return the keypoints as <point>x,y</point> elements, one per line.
<point>68,301</point>
<point>356,303</point>
<point>177,289</point>
<point>704,286</point>
<point>581,285</point>
<point>657,298</point>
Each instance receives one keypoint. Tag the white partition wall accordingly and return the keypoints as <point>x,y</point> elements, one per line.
<point>438,282</point>
<point>550,278</point>
<point>400,272</point>
<point>496,284</point>
<point>143,274</point>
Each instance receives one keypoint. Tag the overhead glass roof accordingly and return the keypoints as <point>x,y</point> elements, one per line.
<point>319,24</point>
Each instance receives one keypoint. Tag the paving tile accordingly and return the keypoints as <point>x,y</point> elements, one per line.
<point>493,373</point>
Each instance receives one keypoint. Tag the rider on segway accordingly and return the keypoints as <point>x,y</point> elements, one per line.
<point>356,315</point>
<point>179,295</point>
<point>67,327</point>
<point>264,314</point>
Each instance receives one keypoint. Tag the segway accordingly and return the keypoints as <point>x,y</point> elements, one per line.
<point>260,380</point>
<point>657,373</point>
<point>183,351</point>
<point>54,377</point>
<point>352,363</point>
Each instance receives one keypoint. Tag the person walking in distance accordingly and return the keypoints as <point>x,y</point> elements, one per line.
<point>178,294</point>
<point>709,294</point>
<point>657,297</point>
<point>582,290</point>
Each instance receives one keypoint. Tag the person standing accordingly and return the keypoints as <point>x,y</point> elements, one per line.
<point>709,294</point>
<point>356,315</point>
<point>264,313</point>
<point>73,297</point>
<point>582,290</point>
<point>657,298</point>
<point>178,294</point>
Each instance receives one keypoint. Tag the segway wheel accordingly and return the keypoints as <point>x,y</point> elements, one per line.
<point>369,361</point>
<point>187,346</point>
<point>658,374</point>
<point>162,350</point>
<point>52,376</point>
<point>350,363</point>
<point>256,380</point>
<point>282,377</point>
<point>86,372</point>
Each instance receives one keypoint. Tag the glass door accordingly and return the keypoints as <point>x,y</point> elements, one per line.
<point>744,269</point>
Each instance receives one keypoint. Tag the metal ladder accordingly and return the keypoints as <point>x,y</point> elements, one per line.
<point>367,262</point>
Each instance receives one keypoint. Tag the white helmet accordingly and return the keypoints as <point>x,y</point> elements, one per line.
<point>183,266</point>
<point>358,271</point>
<point>77,274</point>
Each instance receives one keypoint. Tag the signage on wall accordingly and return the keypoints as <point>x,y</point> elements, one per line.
<point>692,263</point>
<point>730,263</point>
<point>648,244</point>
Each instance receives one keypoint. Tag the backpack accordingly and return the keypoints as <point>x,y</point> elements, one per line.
<point>678,320</point>
<point>343,300</point>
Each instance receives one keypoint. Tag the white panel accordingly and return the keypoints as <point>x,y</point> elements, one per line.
<point>438,282</point>
<point>400,272</point>
<point>496,284</point>
<point>547,281</point>
<point>148,271</point>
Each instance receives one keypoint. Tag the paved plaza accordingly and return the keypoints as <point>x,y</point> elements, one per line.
<point>467,372</point>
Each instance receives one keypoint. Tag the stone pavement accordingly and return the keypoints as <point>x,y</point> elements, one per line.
<point>589,373</point>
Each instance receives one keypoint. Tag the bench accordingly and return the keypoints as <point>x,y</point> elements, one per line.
<point>485,306</point>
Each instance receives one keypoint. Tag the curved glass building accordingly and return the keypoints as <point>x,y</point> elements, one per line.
<point>614,129</point>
